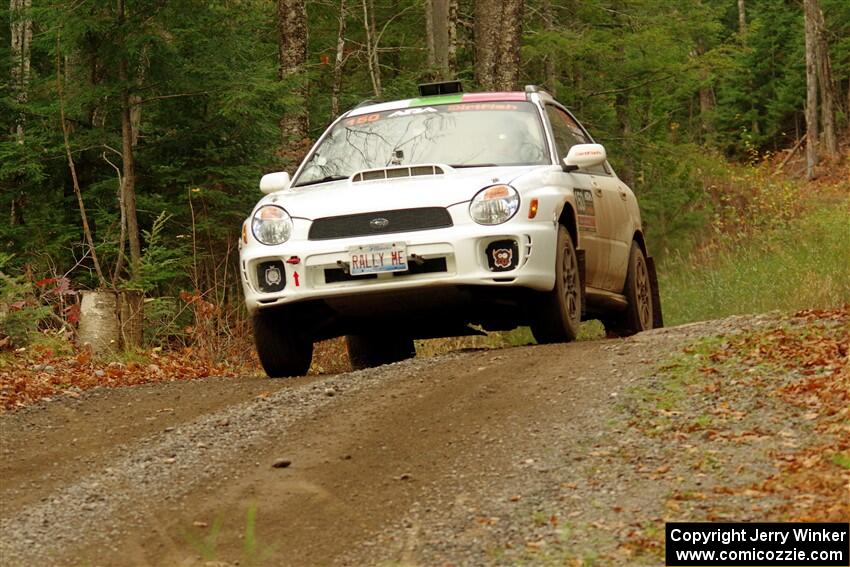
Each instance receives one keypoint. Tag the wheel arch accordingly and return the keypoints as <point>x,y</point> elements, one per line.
<point>641,241</point>
<point>567,218</point>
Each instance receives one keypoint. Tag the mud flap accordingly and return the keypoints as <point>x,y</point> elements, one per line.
<point>581,263</point>
<point>657,316</point>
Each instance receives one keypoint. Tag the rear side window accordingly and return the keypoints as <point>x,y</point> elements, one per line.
<point>568,133</point>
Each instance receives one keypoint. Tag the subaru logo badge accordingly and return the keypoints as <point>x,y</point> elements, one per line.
<point>379,223</point>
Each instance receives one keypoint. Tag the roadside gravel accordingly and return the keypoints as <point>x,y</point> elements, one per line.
<point>576,491</point>
<point>556,454</point>
<point>115,499</point>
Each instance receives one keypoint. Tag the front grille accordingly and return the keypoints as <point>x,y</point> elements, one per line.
<point>379,222</point>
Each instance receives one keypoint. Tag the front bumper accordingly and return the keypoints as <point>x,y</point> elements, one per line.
<point>463,248</point>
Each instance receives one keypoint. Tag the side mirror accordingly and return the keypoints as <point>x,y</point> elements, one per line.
<point>581,156</point>
<point>274,182</point>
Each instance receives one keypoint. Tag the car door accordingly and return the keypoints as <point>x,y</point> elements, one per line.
<point>617,195</point>
<point>566,135</point>
<point>605,216</point>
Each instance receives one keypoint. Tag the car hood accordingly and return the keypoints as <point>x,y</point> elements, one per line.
<point>347,197</point>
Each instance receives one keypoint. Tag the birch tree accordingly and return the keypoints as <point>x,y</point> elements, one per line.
<point>339,61</point>
<point>742,18</point>
<point>372,46</point>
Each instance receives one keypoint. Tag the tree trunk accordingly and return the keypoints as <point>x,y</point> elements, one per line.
<point>825,82</point>
<point>21,42</point>
<point>811,92</point>
<point>498,37</point>
<point>292,53</point>
<point>487,38</point>
<point>111,320</point>
<point>429,33</point>
<point>99,329</point>
<point>742,18</point>
<point>372,46</point>
<point>136,101</point>
<point>452,38</point>
<point>131,318</point>
<point>706,95</point>
<point>128,160</point>
<point>509,59</point>
<point>438,36</point>
<point>128,187</point>
<point>339,62</point>
<point>550,69</point>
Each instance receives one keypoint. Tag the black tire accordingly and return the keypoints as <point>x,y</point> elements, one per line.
<point>557,313</point>
<point>368,351</point>
<point>282,350</point>
<point>640,313</point>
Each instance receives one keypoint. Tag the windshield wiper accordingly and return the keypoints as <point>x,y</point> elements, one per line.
<point>322,180</point>
<point>462,165</point>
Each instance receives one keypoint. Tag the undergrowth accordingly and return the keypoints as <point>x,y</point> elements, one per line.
<point>803,265</point>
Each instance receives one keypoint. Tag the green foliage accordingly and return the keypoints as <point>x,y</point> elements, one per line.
<point>803,265</point>
<point>204,81</point>
<point>160,264</point>
<point>20,312</point>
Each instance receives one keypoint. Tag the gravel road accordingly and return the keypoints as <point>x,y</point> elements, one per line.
<point>485,457</point>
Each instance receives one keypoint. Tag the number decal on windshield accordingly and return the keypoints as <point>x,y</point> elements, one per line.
<point>364,119</point>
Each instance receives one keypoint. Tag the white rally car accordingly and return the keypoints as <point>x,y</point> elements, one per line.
<point>441,216</point>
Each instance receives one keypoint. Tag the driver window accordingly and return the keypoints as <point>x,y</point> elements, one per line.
<point>562,128</point>
<point>568,133</point>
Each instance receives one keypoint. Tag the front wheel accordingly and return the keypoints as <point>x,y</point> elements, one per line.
<point>282,349</point>
<point>558,312</point>
<point>367,351</point>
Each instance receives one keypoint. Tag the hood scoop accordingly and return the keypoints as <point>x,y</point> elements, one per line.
<point>397,172</point>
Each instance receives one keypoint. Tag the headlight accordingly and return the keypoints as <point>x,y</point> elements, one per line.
<point>494,205</point>
<point>271,225</point>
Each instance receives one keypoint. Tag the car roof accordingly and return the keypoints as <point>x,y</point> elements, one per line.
<point>455,98</point>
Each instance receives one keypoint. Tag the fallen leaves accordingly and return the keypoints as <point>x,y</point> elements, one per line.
<point>28,376</point>
<point>803,365</point>
<point>33,374</point>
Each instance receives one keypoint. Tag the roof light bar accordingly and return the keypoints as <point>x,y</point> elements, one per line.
<point>447,87</point>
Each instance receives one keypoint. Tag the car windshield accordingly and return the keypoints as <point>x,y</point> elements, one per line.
<point>459,135</point>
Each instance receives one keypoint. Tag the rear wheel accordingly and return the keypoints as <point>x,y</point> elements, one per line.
<point>282,350</point>
<point>639,314</point>
<point>558,312</point>
<point>367,351</point>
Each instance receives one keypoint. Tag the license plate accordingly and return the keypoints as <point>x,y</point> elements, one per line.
<point>377,259</point>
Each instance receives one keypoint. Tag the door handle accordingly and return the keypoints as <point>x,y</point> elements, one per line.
<point>623,194</point>
<point>598,191</point>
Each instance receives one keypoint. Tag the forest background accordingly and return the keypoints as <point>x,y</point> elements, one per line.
<point>158,118</point>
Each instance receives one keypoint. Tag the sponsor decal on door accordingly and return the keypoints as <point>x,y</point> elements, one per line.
<point>586,212</point>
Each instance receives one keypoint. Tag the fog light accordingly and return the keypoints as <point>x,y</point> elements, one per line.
<point>271,276</point>
<point>502,255</point>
